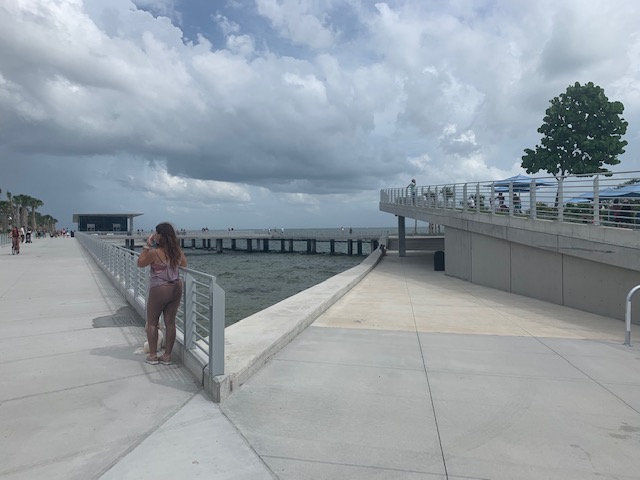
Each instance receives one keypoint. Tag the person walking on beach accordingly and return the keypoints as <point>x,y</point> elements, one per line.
<point>165,288</point>
<point>412,190</point>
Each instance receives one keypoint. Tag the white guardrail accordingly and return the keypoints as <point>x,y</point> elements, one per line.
<point>607,199</point>
<point>201,317</point>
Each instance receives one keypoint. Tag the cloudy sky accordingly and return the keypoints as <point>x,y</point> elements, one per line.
<point>289,113</point>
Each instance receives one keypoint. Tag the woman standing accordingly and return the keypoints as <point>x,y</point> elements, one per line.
<point>165,288</point>
<point>15,240</point>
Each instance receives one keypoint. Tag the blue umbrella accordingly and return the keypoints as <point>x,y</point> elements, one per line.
<point>521,183</point>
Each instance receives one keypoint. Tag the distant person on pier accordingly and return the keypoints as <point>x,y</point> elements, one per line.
<point>162,252</point>
<point>411,188</point>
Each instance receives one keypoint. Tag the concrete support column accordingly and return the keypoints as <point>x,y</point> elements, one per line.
<point>208,244</point>
<point>350,247</point>
<point>374,245</point>
<point>332,246</point>
<point>182,243</point>
<point>308,246</point>
<point>282,245</point>
<point>402,238</point>
<point>193,243</point>
<point>204,243</point>
<point>219,245</point>
<point>249,245</point>
<point>359,247</point>
<point>291,245</point>
<point>265,245</point>
<point>313,246</point>
<point>233,244</point>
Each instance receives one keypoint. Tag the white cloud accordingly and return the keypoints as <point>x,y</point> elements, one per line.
<point>317,99</point>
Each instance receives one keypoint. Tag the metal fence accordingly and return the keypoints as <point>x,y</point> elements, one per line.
<point>201,316</point>
<point>4,239</point>
<point>611,199</point>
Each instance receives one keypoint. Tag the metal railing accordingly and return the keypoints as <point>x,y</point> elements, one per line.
<point>4,239</point>
<point>627,315</point>
<point>611,199</point>
<point>201,316</point>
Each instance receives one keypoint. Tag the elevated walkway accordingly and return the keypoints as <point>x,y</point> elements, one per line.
<point>410,375</point>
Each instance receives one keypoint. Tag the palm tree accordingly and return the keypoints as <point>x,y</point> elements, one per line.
<point>49,223</point>
<point>4,214</point>
<point>12,214</point>
<point>21,209</point>
<point>34,204</point>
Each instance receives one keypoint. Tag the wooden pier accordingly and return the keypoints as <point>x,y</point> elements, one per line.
<point>349,244</point>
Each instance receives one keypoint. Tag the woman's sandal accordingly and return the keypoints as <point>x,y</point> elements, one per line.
<point>152,360</point>
<point>165,360</point>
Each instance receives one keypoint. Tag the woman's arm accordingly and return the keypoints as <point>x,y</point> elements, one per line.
<point>146,256</point>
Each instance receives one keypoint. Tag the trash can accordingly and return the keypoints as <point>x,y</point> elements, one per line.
<point>438,261</point>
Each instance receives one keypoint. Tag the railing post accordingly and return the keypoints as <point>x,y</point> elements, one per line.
<point>492,200</point>
<point>477,198</point>
<point>596,200</point>
<point>560,200</point>
<point>532,200</point>
<point>464,198</point>
<point>216,329</point>
<point>189,311</point>
<point>511,199</point>
<point>627,315</point>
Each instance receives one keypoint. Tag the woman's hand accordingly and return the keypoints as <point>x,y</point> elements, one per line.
<point>151,239</point>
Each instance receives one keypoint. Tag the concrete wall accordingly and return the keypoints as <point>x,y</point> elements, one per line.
<point>538,273</point>
<point>459,264</point>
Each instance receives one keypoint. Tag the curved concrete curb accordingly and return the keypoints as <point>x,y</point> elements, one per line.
<point>250,343</point>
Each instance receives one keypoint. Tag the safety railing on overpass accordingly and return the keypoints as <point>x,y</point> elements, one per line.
<point>201,317</point>
<point>607,199</point>
<point>4,239</point>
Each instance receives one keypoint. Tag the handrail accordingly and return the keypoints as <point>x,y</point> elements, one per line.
<point>201,316</point>
<point>627,315</point>
<point>600,199</point>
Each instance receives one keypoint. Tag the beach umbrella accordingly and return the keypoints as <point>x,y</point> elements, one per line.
<point>627,191</point>
<point>521,183</point>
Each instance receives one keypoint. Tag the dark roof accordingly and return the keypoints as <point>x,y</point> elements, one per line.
<point>76,216</point>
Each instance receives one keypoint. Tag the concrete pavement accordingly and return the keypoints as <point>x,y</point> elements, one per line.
<point>76,400</point>
<point>411,375</point>
<point>415,375</point>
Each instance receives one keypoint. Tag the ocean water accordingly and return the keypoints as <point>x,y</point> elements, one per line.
<point>253,281</point>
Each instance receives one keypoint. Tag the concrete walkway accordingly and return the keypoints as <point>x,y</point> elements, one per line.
<point>411,375</point>
<point>76,400</point>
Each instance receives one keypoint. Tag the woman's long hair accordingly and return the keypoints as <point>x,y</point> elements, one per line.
<point>169,243</point>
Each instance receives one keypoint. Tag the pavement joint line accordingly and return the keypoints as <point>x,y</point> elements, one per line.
<point>589,376</point>
<point>426,374</point>
<point>77,453</point>
<point>136,438</point>
<point>376,367</point>
<point>357,465</point>
<point>147,434</point>
<point>84,385</point>
<point>247,443</point>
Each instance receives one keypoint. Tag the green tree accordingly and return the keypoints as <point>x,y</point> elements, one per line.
<point>34,204</point>
<point>21,209</point>
<point>12,213</point>
<point>582,132</point>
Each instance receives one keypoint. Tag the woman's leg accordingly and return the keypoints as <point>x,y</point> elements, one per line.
<point>155,304</point>
<point>169,313</point>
